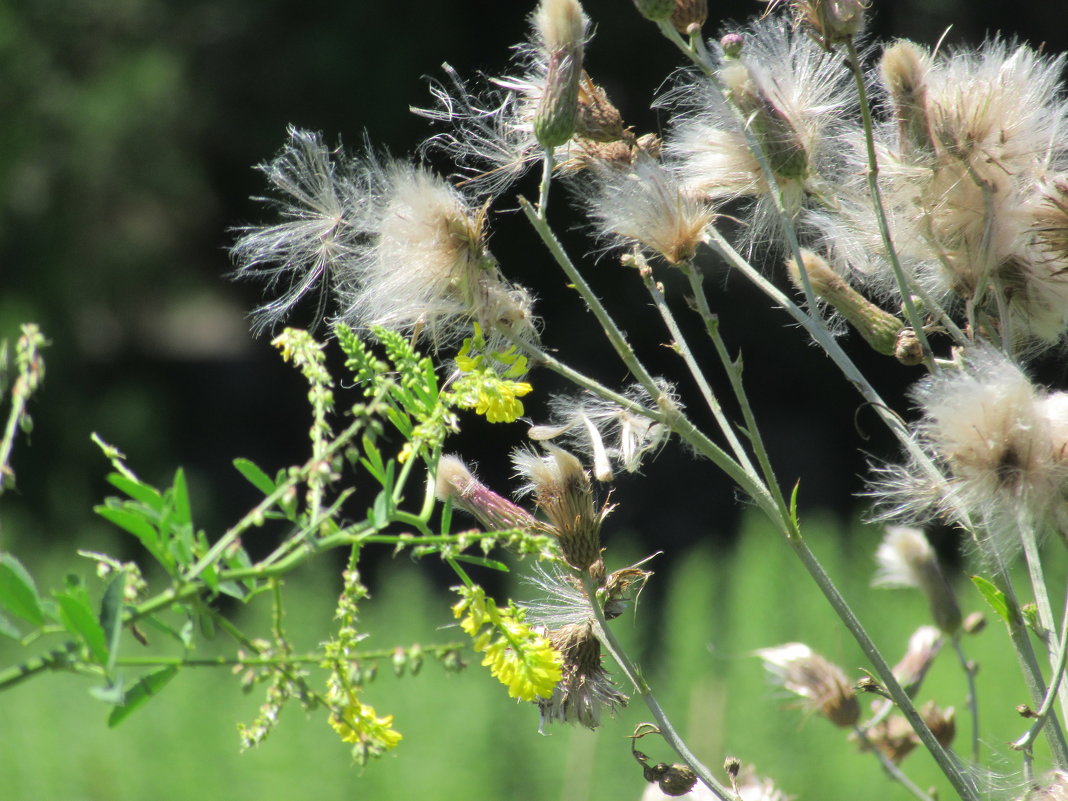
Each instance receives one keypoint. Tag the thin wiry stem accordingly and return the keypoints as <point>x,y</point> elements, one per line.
<point>969,669</point>
<point>1042,716</point>
<point>872,175</point>
<point>682,347</point>
<point>630,670</point>
<point>1045,611</point>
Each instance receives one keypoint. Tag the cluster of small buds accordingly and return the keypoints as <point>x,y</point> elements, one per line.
<point>820,684</point>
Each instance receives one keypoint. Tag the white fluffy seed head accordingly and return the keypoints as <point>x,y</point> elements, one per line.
<point>646,205</point>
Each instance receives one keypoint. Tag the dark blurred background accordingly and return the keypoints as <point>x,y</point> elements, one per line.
<point>129,133</point>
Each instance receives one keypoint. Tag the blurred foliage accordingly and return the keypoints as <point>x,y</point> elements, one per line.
<point>463,739</point>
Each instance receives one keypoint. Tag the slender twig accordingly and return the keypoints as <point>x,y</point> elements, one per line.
<point>667,730</point>
<point>872,175</point>
<point>1042,716</point>
<point>972,700</point>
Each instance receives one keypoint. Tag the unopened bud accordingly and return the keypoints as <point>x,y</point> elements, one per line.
<point>456,483</point>
<point>732,45</point>
<point>732,765</point>
<point>688,13</point>
<point>561,25</point>
<point>908,349</point>
<point>879,328</point>
<point>656,10</point>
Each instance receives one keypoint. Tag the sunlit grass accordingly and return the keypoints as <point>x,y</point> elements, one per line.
<point>463,738</point>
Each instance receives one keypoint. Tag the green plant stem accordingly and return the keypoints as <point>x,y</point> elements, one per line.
<point>1029,666</point>
<point>1042,716</point>
<point>682,347</point>
<point>1045,611</point>
<point>616,337</point>
<point>257,513</point>
<point>546,182</point>
<point>872,176</point>
<point>947,761</point>
<point>59,658</point>
<point>734,375</point>
<point>892,770</point>
<point>667,730</point>
<point>973,697</point>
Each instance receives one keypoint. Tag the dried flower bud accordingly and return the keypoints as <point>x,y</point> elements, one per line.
<point>832,21</point>
<point>821,683</point>
<point>731,766</point>
<point>585,689</point>
<point>688,13</point>
<point>562,491</point>
<point>656,10</point>
<point>894,737</point>
<point>561,26</point>
<point>924,645</point>
<point>677,780</point>
<point>941,722</point>
<point>974,623</point>
<point>879,328</point>
<point>904,67</point>
<point>598,120</point>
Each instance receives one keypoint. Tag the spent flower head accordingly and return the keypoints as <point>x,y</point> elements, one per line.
<point>395,244</point>
<point>607,434</point>
<point>998,443</point>
<point>791,95</point>
<point>820,684</point>
<point>906,559</point>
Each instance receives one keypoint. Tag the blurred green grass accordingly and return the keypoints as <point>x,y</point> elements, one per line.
<point>463,738</point>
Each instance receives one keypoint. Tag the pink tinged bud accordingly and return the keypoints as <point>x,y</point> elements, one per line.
<point>732,45</point>
<point>924,645</point>
<point>456,483</point>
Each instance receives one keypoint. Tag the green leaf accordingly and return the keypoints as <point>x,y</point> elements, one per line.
<point>255,476</point>
<point>183,514</point>
<point>111,617</point>
<point>137,490</point>
<point>78,618</point>
<point>17,591</point>
<point>147,686</point>
<point>793,505</point>
<point>133,522</point>
<point>9,629</point>
<point>993,596</point>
